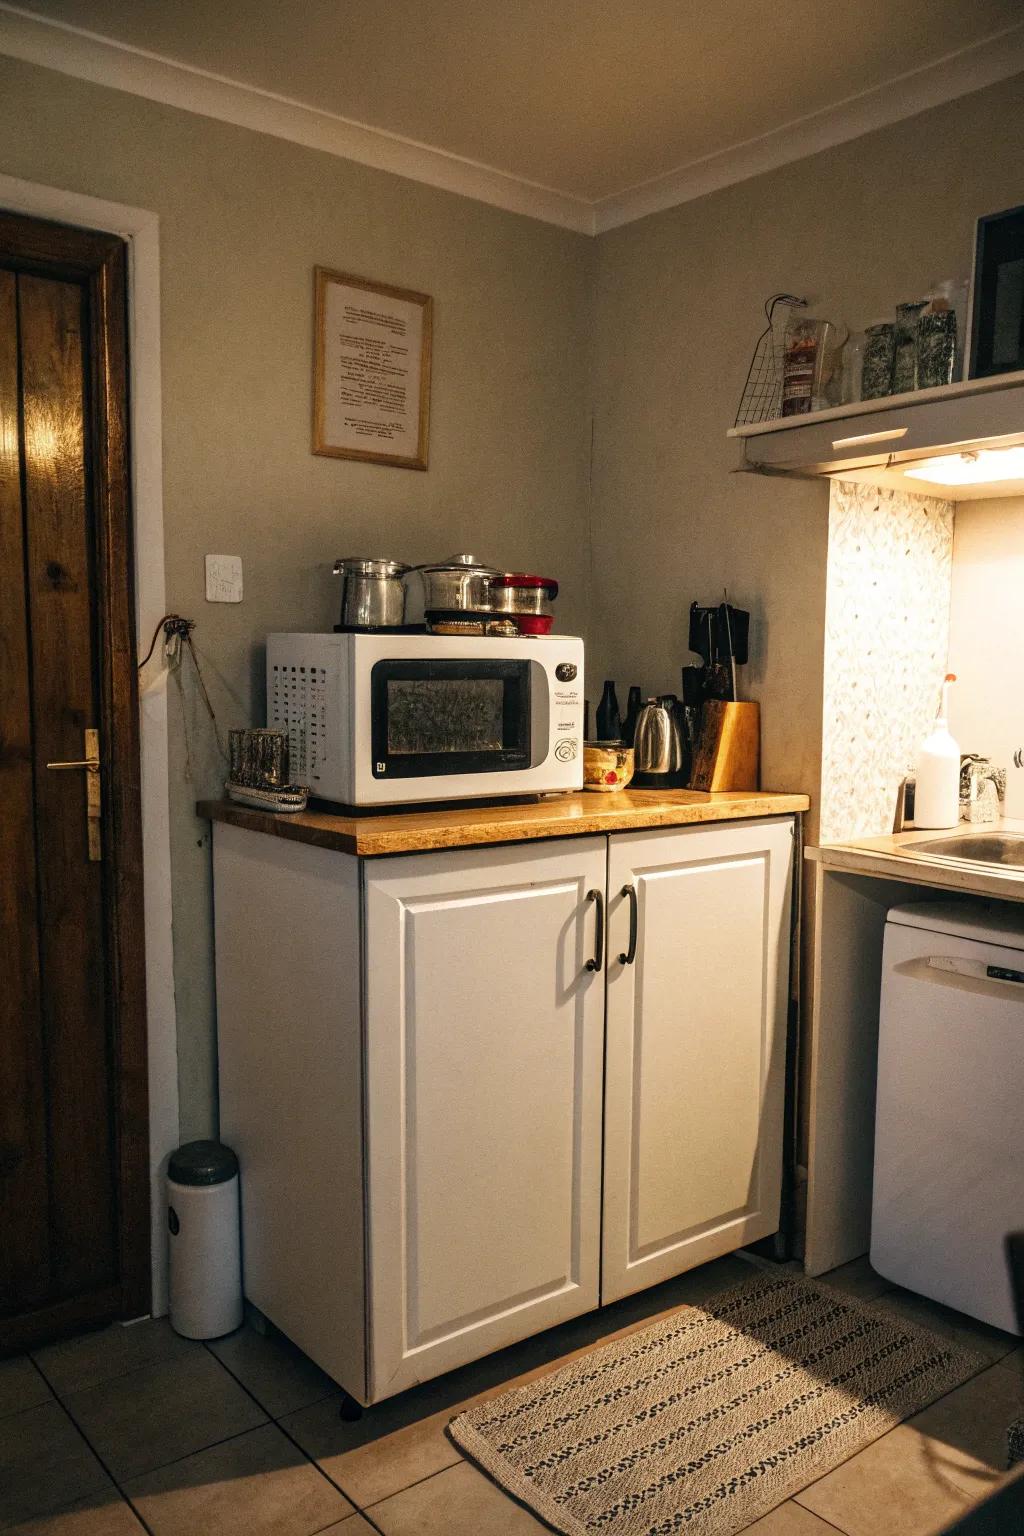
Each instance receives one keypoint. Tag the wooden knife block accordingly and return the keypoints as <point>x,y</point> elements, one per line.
<point>728,754</point>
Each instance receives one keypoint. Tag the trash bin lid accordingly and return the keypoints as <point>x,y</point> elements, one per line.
<point>202,1162</point>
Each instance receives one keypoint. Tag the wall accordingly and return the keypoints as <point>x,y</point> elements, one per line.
<point>890,556</point>
<point>986,648</point>
<point>678,309</point>
<point>243,220</point>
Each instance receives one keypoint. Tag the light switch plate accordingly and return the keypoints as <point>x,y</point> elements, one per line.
<point>223,578</point>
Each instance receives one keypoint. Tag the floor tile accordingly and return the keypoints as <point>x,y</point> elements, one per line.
<point>94,1357</point>
<point>395,1444</point>
<point>21,1386</point>
<point>257,1484</point>
<point>790,1519</point>
<point>892,1488</point>
<point>354,1525</point>
<point>458,1502</point>
<point>957,1326</point>
<point>98,1514</point>
<point>963,1435</point>
<point>1014,1361</point>
<point>856,1279</point>
<point>44,1463</point>
<point>156,1414</point>
<point>403,1440</point>
<point>280,1377</point>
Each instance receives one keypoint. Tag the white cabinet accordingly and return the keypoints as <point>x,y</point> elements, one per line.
<point>463,1117</point>
<point>484,1058</point>
<point>696,1046</point>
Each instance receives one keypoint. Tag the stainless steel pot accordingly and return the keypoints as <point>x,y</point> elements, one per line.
<point>456,585</point>
<point>372,594</point>
<point>516,592</point>
<point>658,745</point>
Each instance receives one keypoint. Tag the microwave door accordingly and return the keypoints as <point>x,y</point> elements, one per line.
<point>439,719</point>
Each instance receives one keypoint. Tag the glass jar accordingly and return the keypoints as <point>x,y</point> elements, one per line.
<point>904,367</point>
<point>876,371</point>
<point>936,347</point>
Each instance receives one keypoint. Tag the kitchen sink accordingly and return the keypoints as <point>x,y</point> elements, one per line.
<point>976,847</point>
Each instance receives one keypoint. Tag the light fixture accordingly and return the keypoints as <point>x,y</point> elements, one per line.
<point>981,467</point>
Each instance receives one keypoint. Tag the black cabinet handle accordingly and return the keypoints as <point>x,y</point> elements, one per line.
<point>595,963</point>
<point>630,954</point>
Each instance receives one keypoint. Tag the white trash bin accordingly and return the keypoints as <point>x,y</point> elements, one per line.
<point>204,1240</point>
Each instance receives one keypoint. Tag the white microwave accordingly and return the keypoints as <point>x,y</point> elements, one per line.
<point>401,719</point>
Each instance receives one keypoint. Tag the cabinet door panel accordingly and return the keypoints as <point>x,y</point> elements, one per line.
<point>696,1048</point>
<point>484,1065</point>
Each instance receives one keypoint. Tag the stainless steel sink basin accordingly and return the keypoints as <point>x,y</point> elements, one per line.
<point>977,847</point>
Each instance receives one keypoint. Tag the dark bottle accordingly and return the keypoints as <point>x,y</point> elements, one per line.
<point>609,725</point>
<point>634,704</point>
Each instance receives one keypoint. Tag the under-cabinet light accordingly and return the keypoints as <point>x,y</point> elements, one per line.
<point>986,465</point>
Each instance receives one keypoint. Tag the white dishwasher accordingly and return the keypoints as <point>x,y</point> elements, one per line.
<point>949,1128</point>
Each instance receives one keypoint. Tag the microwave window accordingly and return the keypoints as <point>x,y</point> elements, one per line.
<point>436,715</point>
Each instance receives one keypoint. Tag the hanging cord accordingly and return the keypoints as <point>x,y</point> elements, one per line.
<point>177,638</point>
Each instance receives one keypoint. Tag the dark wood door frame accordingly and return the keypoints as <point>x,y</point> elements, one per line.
<point>98,261</point>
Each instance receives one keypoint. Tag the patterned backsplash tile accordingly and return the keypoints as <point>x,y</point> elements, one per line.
<point>890,558</point>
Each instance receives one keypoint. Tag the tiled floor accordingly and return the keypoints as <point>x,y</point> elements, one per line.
<point>135,1429</point>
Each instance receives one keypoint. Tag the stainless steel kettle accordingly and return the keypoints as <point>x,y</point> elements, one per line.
<point>658,744</point>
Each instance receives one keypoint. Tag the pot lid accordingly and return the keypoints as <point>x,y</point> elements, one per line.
<point>463,564</point>
<point>359,565</point>
<point>522,579</point>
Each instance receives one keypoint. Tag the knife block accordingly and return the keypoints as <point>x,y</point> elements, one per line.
<point>728,752</point>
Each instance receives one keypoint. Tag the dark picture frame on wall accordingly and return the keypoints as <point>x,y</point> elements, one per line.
<point>997,295</point>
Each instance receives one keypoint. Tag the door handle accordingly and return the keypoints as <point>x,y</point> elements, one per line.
<point>597,959</point>
<point>627,958</point>
<point>93,800</point>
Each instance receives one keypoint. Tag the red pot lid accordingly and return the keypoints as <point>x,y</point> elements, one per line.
<point>521,579</point>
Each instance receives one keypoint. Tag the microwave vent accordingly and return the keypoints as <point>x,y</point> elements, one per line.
<point>298,705</point>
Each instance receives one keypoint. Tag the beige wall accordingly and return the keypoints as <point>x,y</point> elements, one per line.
<point>656,319</point>
<point>243,220</point>
<point>986,641</point>
<point>678,308</point>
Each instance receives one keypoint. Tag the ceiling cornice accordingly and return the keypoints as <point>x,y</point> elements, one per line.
<point>957,74</point>
<point>105,61</point>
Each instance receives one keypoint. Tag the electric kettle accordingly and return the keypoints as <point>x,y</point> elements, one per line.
<point>659,753</point>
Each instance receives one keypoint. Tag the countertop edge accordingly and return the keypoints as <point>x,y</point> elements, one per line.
<point>496,825</point>
<point>971,879</point>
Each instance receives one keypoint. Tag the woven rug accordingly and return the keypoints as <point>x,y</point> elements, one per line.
<point>706,1420</point>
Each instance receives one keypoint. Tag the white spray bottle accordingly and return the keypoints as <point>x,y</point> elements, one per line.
<point>937,793</point>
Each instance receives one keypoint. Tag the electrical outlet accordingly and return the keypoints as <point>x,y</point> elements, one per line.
<point>223,578</point>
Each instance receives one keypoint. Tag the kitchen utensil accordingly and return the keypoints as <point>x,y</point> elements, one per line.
<point>456,585</point>
<point>516,592</point>
<point>372,594</point>
<point>607,765</point>
<point>728,752</point>
<point>658,745</point>
<point>258,758</point>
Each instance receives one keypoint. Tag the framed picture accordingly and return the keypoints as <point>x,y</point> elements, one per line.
<point>997,296</point>
<point>371,371</point>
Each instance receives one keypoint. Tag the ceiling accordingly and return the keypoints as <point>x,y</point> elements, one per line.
<point>590,98</point>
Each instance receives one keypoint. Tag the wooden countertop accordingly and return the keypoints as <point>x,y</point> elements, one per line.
<point>890,858</point>
<point>572,815</point>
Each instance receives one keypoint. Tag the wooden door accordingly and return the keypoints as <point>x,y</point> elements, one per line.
<point>694,1089</point>
<point>73,1134</point>
<point>484,1042</point>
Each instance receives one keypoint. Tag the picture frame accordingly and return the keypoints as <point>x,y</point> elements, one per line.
<point>371,370</point>
<point>996,343</point>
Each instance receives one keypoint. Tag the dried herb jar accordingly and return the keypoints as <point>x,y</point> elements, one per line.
<point>879,351</point>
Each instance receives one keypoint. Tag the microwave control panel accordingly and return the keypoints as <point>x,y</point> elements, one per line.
<point>297,704</point>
